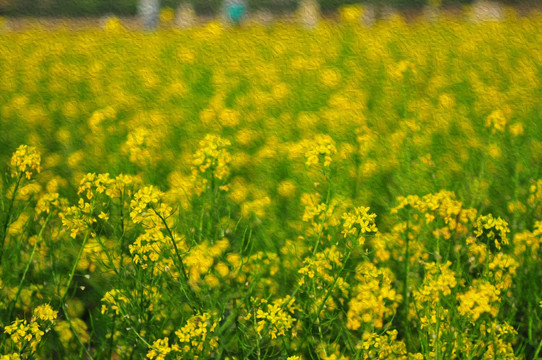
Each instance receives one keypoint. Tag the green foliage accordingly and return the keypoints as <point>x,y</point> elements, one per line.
<point>203,7</point>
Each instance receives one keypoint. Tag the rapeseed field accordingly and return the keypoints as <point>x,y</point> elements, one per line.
<point>272,192</point>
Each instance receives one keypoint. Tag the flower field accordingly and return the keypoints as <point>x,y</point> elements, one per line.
<point>272,192</point>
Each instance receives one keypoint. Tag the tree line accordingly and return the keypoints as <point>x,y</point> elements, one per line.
<point>55,8</point>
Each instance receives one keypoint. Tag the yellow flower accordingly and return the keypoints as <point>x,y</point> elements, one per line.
<point>114,300</point>
<point>26,160</point>
<point>358,222</point>
<point>45,313</point>
<point>13,356</point>
<point>166,15</point>
<point>196,332</point>
<point>497,121</point>
<point>160,348</point>
<point>276,318</point>
<point>286,188</point>
<point>479,299</point>
<point>222,269</point>
<point>330,78</point>
<point>403,67</point>
<point>143,199</point>
<point>212,281</point>
<point>494,228</point>
<point>321,151</point>
<point>494,151</point>
<point>229,118</point>
<point>350,14</point>
<point>516,129</point>
<point>113,25</point>
<point>211,159</point>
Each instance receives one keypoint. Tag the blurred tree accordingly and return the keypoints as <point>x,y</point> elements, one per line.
<point>203,7</point>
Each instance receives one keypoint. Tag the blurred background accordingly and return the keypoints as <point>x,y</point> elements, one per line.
<point>121,8</point>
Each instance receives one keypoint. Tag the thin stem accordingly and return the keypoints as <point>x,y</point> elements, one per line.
<point>328,197</point>
<point>328,294</point>
<point>75,333</point>
<point>122,237</point>
<point>74,267</point>
<point>20,287</point>
<point>181,263</point>
<point>537,350</point>
<point>405,281</point>
<point>8,216</point>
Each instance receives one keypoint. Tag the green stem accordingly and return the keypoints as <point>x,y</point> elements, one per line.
<point>20,287</point>
<point>405,282</point>
<point>437,348</point>
<point>8,216</point>
<point>437,258</point>
<point>181,263</point>
<point>537,350</point>
<point>516,187</point>
<point>328,197</point>
<point>63,299</point>
<point>122,237</point>
<point>328,294</point>
<point>487,260</point>
<point>74,267</point>
<point>112,338</point>
<point>75,333</point>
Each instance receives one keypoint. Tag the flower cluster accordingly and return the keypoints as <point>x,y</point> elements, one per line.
<point>26,160</point>
<point>496,121</point>
<point>211,161</point>
<point>385,346</point>
<point>146,205</point>
<point>321,152</point>
<point>438,282</point>
<point>318,215</point>
<point>93,184</point>
<point>374,298</point>
<point>200,260</point>
<point>78,218</point>
<point>359,222</point>
<point>433,277</point>
<point>114,300</point>
<point>49,202</point>
<point>147,249</point>
<point>481,298</point>
<point>26,336</point>
<point>195,339</point>
<point>441,205</point>
<point>494,229</point>
<point>274,319</point>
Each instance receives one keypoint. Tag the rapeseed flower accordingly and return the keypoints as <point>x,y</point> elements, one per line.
<point>26,160</point>
<point>321,151</point>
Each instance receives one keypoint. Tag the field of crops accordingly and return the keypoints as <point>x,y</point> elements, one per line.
<point>272,192</point>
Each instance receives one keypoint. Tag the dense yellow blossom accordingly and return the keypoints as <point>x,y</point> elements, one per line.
<point>481,298</point>
<point>45,313</point>
<point>210,162</point>
<point>359,222</point>
<point>430,125</point>
<point>321,151</point>
<point>497,121</point>
<point>374,299</point>
<point>26,160</point>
